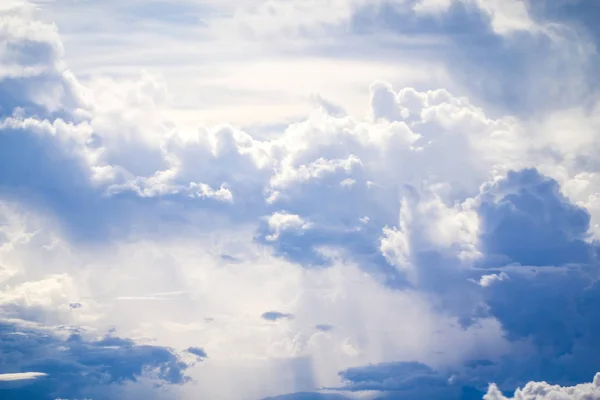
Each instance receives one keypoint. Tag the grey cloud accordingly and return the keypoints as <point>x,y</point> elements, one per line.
<point>76,367</point>
<point>198,352</point>
<point>276,315</point>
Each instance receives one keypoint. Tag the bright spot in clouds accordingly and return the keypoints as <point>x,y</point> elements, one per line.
<point>345,199</point>
<point>25,376</point>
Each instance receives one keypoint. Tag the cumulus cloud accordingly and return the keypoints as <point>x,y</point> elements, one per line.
<point>487,280</point>
<point>376,225</point>
<point>553,231</point>
<point>279,222</point>
<point>544,391</point>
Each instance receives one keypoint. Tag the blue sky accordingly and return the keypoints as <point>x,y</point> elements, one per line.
<point>343,199</point>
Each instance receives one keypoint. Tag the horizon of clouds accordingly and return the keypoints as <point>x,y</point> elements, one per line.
<point>442,239</point>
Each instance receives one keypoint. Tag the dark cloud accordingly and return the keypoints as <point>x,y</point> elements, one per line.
<point>391,376</point>
<point>77,367</point>
<point>198,352</point>
<point>38,170</point>
<point>527,220</point>
<point>408,381</point>
<point>324,327</point>
<point>537,236</point>
<point>554,311</point>
<point>547,307</point>
<point>335,213</point>
<point>303,246</point>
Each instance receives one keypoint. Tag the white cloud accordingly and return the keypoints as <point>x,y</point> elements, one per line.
<point>398,183</point>
<point>488,280</point>
<point>508,16</point>
<point>546,391</point>
<point>23,376</point>
<point>16,25</point>
<point>280,222</point>
<point>396,249</point>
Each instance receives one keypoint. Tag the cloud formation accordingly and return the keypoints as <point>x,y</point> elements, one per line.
<point>544,391</point>
<point>435,242</point>
<point>71,365</point>
<point>23,376</point>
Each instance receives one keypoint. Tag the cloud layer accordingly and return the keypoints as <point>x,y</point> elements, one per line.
<point>442,239</point>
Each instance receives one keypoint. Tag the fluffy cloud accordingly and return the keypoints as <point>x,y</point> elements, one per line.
<point>423,250</point>
<point>526,218</point>
<point>543,391</point>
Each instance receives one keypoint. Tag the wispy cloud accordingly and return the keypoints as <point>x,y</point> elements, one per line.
<point>22,376</point>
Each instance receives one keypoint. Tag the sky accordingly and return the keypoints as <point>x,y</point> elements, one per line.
<point>299,199</point>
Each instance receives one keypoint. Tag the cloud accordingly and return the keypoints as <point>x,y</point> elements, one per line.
<point>74,366</point>
<point>22,376</point>
<point>290,60</point>
<point>279,222</point>
<point>406,380</point>
<point>275,316</point>
<point>378,224</point>
<point>544,391</point>
<point>541,303</point>
<point>487,280</point>
<point>230,295</point>
<point>292,18</point>
<point>528,220</point>
<point>324,327</point>
<point>198,352</point>
<point>106,176</point>
<point>505,17</point>
<point>377,377</point>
